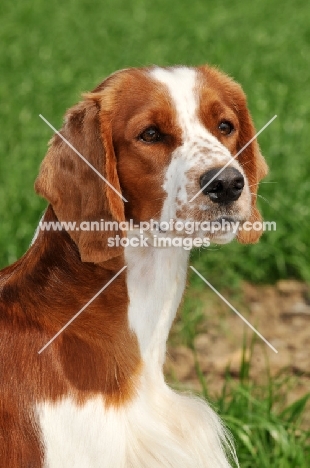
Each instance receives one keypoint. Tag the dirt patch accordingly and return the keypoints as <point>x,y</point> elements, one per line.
<point>281,313</point>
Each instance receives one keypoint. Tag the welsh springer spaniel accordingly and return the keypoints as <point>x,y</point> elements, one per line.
<point>96,396</point>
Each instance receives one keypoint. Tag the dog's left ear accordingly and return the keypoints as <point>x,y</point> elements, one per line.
<point>255,169</point>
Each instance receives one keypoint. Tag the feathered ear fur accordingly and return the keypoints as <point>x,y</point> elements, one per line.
<point>255,168</point>
<point>75,191</point>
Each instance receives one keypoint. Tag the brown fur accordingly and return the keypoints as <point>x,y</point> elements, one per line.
<point>96,354</point>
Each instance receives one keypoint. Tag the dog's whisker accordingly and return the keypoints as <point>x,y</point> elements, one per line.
<point>261,196</point>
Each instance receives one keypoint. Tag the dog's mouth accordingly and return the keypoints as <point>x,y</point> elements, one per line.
<point>222,229</point>
<point>228,219</point>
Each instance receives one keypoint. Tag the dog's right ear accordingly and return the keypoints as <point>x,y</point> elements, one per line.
<point>75,191</point>
<point>255,168</point>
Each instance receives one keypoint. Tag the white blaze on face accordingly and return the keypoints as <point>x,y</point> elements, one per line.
<point>199,152</point>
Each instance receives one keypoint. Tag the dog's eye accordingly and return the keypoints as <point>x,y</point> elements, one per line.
<point>225,127</point>
<point>151,135</point>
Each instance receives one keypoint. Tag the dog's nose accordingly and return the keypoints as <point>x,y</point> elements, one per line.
<point>224,187</point>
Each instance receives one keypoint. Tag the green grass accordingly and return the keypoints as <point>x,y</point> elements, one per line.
<point>268,432</point>
<point>52,51</point>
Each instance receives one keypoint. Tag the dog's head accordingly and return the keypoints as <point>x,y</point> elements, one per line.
<point>164,139</point>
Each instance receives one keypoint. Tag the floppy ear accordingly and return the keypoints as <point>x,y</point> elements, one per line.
<point>75,191</point>
<point>255,169</point>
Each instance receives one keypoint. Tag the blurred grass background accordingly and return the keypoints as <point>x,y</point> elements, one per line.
<point>50,52</point>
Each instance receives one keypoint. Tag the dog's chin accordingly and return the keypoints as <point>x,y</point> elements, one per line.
<point>223,238</point>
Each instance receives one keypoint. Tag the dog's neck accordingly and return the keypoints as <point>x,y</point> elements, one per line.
<point>156,280</point>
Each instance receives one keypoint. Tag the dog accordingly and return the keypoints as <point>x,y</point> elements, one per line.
<point>164,140</point>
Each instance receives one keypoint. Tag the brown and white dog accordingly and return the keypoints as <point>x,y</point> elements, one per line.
<point>96,396</point>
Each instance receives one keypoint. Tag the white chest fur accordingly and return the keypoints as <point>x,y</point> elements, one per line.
<point>156,280</point>
<point>159,428</point>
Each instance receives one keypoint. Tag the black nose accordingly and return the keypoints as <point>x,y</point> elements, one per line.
<point>223,187</point>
